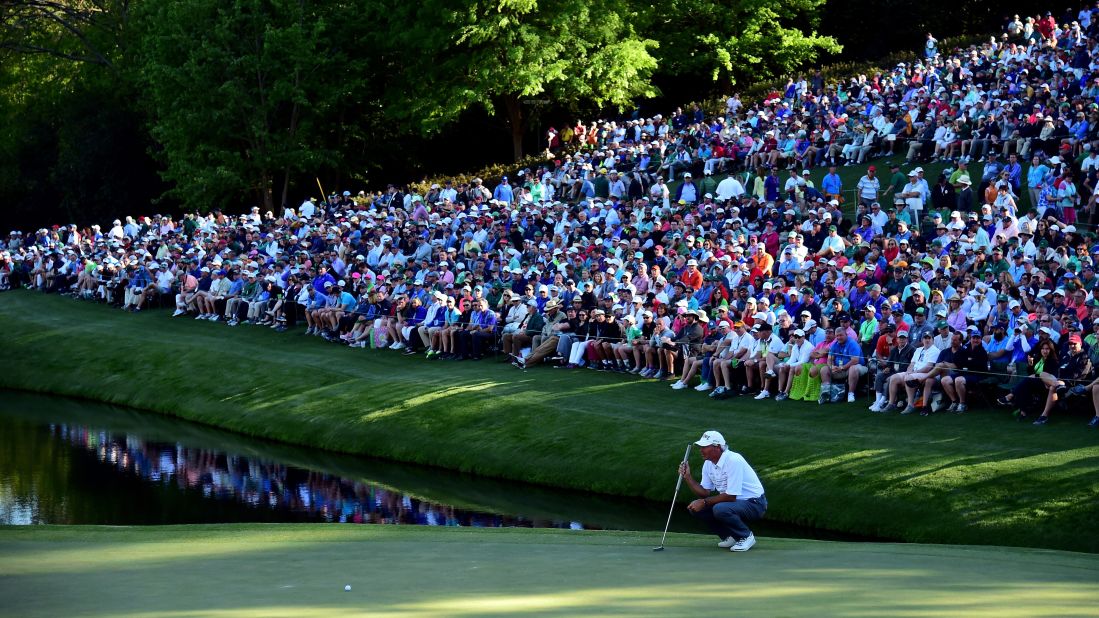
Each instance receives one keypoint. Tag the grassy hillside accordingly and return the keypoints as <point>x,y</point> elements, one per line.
<point>975,478</point>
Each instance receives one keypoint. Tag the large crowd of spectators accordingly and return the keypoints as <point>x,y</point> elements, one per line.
<point>671,248</point>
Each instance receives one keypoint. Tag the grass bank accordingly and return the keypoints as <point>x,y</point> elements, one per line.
<point>301,571</point>
<point>975,479</point>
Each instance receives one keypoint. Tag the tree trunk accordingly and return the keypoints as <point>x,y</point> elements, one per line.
<point>268,194</point>
<point>285,191</point>
<point>517,124</point>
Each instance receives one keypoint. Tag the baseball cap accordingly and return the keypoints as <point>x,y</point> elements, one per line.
<point>710,438</point>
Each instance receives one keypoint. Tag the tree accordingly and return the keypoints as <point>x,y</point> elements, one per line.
<point>72,141</point>
<point>446,56</point>
<point>83,31</point>
<point>724,42</point>
<point>240,91</point>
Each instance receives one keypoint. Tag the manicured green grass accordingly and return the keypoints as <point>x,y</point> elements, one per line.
<point>976,478</point>
<point>300,571</point>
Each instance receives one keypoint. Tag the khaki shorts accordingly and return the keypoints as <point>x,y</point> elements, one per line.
<point>842,373</point>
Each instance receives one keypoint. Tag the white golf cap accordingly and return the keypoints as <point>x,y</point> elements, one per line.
<point>710,438</point>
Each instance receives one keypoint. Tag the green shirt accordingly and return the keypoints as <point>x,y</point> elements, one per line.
<point>867,330</point>
<point>602,186</point>
<point>708,185</point>
<point>898,181</point>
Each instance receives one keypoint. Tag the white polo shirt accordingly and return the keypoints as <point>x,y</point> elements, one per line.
<point>799,355</point>
<point>731,475</point>
<point>925,358</point>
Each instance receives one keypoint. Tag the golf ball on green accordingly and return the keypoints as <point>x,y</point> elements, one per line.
<point>347,588</point>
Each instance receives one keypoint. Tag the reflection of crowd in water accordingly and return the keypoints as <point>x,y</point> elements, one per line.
<point>302,494</point>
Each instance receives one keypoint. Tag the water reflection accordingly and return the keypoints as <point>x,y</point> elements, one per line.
<point>65,461</point>
<point>268,490</point>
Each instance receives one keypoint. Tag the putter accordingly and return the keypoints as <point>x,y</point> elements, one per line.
<point>678,482</point>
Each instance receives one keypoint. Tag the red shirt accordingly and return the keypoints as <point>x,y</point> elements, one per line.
<point>692,280</point>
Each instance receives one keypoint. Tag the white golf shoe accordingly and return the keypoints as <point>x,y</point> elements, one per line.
<point>744,544</point>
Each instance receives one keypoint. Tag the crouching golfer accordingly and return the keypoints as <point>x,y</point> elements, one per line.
<point>739,494</point>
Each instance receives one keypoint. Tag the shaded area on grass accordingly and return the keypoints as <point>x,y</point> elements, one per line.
<point>238,571</point>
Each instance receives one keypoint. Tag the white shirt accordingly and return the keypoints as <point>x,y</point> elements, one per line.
<point>868,188</point>
<point>164,280</point>
<point>740,342</point>
<point>799,354</point>
<point>773,345</point>
<point>878,220</point>
<point>1091,162</point>
<point>731,475</point>
<point>729,188</point>
<point>915,202</point>
<point>835,243</point>
<point>924,358</point>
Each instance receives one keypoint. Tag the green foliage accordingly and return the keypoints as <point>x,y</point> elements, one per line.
<point>510,55</point>
<point>240,93</point>
<point>72,140</point>
<point>91,32</point>
<point>728,42</point>
<point>490,174</point>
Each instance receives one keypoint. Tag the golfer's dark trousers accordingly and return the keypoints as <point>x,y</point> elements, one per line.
<point>730,519</point>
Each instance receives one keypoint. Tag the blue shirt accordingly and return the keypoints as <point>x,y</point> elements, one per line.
<point>503,192</point>
<point>140,279</point>
<point>347,301</point>
<point>1018,355</point>
<point>318,282</point>
<point>831,184</point>
<point>841,354</point>
<point>1036,175</point>
<point>770,188</point>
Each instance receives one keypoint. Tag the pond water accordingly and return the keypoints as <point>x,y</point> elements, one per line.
<point>65,461</point>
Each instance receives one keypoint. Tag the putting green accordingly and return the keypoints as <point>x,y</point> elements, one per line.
<point>300,571</point>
